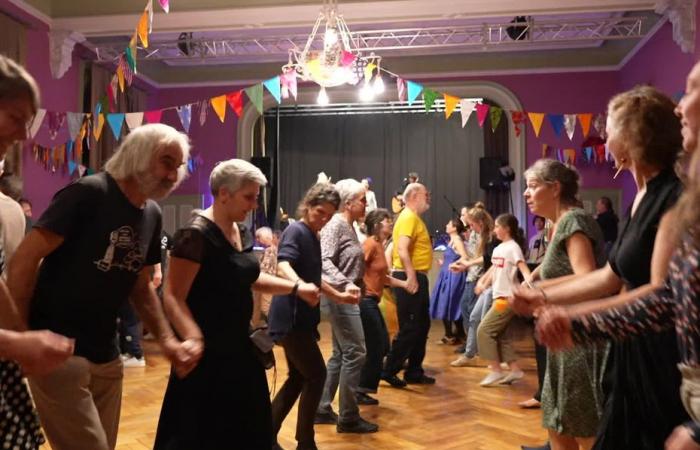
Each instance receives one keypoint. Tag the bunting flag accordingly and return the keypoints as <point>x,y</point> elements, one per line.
<point>414,89</point>
<point>133,120</point>
<point>203,109</point>
<point>120,76</point>
<point>599,125</point>
<point>557,122</point>
<point>255,94</point>
<point>126,70</point>
<point>570,125</point>
<point>369,71</point>
<point>401,89</point>
<point>219,105</point>
<point>184,112</point>
<point>116,121</point>
<point>72,165</point>
<point>273,86</point>
<point>111,102</point>
<point>99,125</point>
<point>481,112</point>
<point>81,170</point>
<point>289,84</point>
<point>75,121</point>
<point>130,59</point>
<point>451,103</point>
<point>235,99</point>
<point>466,109</point>
<point>495,114</point>
<point>570,156</point>
<point>56,121</point>
<point>347,58</point>
<point>429,97</point>
<point>518,118</point>
<point>545,150</point>
<point>585,120</point>
<point>142,29</point>
<point>600,151</point>
<point>36,123</point>
<point>153,116</point>
<point>149,10</point>
<point>536,119</point>
<point>165,4</point>
<point>588,154</point>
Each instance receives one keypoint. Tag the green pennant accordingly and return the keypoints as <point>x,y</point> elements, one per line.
<point>255,94</point>
<point>429,97</point>
<point>130,59</point>
<point>495,112</point>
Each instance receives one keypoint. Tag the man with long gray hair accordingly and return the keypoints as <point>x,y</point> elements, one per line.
<point>91,251</point>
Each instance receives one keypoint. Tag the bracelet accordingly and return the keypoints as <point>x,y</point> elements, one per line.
<point>295,288</point>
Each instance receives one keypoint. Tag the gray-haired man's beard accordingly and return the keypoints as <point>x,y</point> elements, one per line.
<point>153,188</point>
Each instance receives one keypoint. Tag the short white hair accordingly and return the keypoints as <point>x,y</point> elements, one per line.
<point>136,151</point>
<point>348,189</point>
<point>411,190</point>
<point>232,174</point>
<point>263,232</point>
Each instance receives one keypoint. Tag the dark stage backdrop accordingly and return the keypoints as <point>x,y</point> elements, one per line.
<point>384,147</point>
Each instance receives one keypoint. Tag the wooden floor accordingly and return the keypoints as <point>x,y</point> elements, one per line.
<point>455,413</point>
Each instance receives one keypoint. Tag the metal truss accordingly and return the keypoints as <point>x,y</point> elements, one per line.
<point>484,36</point>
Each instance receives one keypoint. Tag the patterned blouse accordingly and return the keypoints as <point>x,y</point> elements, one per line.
<point>676,303</point>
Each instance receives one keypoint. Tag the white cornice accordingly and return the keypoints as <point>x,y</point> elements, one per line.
<point>32,11</point>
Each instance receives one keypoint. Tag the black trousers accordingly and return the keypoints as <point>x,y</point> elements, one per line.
<point>376,343</point>
<point>413,311</point>
<point>307,374</point>
<point>541,358</point>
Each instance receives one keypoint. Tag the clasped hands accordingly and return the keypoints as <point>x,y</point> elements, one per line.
<point>553,325</point>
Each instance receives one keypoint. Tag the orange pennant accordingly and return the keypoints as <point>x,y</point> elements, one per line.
<point>120,77</point>
<point>219,105</point>
<point>142,29</point>
<point>536,119</point>
<point>450,105</point>
<point>97,129</point>
<point>585,120</point>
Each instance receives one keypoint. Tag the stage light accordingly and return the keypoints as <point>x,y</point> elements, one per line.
<point>366,93</point>
<point>378,86</point>
<point>322,98</point>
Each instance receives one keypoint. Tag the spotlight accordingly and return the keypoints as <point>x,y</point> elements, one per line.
<point>366,93</point>
<point>378,86</point>
<point>322,98</point>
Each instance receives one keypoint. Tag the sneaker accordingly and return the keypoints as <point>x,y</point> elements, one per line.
<point>464,361</point>
<point>360,426</point>
<point>491,379</point>
<point>512,376</point>
<point>326,418</point>
<point>133,361</point>
<point>364,399</point>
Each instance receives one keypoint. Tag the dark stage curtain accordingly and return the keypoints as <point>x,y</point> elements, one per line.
<point>496,145</point>
<point>384,147</point>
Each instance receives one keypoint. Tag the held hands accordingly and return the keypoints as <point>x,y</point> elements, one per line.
<point>681,439</point>
<point>525,301</point>
<point>40,352</point>
<point>351,295</point>
<point>310,293</point>
<point>184,355</point>
<point>458,266</point>
<point>554,328</point>
<point>411,284</point>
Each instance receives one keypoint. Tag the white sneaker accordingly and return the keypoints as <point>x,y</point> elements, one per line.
<point>512,376</point>
<point>491,379</point>
<point>134,362</point>
<point>464,361</point>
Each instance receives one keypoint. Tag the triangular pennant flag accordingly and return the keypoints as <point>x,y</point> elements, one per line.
<point>142,29</point>
<point>203,109</point>
<point>255,94</point>
<point>570,125</point>
<point>99,125</point>
<point>153,116</point>
<point>130,59</point>
<point>495,113</point>
<point>72,165</point>
<point>149,10</point>
<point>536,119</point>
<point>557,122</point>
<point>450,104</point>
<point>369,70</point>
<point>429,97</point>
<point>55,120</point>
<point>36,123</point>
<point>116,121</point>
<point>545,150</point>
<point>585,120</point>
<point>120,76</point>
<point>482,111</point>
<point>599,125</point>
<point>111,105</point>
<point>185,114</point>
<point>219,105</point>
<point>165,4</point>
<point>289,84</point>
<point>81,170</point>
<point>570,155</point>
<point>235,99</point>
<point>401,88</point>
<point>347,58</point>
<point>75,121</point>
<point>414,89</point>
<point>518,119</point>
<point>466,109</point>
<point>133,120</point>
<point>273,85</point>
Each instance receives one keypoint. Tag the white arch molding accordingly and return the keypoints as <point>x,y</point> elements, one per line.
<point>467,89</point>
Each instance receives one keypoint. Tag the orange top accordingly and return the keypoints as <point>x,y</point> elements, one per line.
<point>376,267</point>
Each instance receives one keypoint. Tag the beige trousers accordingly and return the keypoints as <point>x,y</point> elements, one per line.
<point>690,390</point>
<point>79,404</point>
<point>493,344</point>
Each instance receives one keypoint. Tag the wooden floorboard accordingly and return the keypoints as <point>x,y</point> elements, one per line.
<point>455,413</point>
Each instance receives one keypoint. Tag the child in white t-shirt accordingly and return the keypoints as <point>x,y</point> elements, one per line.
<point>506,260</point>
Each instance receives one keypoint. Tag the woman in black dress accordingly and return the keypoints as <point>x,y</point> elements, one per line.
<point>223,402</point>
<point>640,386</point>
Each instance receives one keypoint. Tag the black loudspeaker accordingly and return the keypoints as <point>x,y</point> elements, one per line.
<point>489,173</point>
<point>264,163</point>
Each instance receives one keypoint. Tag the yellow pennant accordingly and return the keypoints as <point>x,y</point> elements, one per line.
<point>219,105</point>
<point>120,77</point>
<point>450,105</point>
<point>97,130</point>
<point>369,70</point>
<point>536,119</point>
<point>142,29</point>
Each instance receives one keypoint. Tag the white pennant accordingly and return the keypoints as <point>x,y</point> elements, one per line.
<point>36,124</point>
<point>149,8</point>
<point>570,125</point>
<point>81,170</point>
<point>75,121</point>
<point>467,108</point>
<point>133,120</point>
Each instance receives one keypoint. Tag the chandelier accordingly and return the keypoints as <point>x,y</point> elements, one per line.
<point>339,61</point>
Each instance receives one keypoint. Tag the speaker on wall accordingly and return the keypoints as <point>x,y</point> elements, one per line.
<point>489,172</point>
<point>264,163</point>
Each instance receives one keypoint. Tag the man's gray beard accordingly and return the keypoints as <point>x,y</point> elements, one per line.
<point>152,188</point>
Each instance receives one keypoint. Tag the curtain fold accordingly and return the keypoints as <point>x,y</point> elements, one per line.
<point>496,145</point>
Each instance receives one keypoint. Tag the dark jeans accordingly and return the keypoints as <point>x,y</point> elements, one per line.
<point>413,311</point>
<point>129,331</point>
<point>376,342</point>
<point>541,358</point>
<point>307,374</point>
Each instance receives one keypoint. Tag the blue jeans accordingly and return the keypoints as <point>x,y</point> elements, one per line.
<point>466,303</point>
<point>345,364</point>
<point>481,307</point>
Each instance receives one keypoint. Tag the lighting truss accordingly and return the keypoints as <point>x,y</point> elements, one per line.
<point>477,36</point>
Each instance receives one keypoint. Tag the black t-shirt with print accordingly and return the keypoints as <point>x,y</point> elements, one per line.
<point>82,284</point>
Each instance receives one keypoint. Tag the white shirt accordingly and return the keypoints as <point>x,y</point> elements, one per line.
<point>371,201</point>
<point>505,259</point>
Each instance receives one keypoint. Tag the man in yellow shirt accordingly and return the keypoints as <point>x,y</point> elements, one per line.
<point>411,259</point>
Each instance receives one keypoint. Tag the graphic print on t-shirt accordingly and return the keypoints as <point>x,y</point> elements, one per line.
<point>124,251</point>
<point>498,261</point>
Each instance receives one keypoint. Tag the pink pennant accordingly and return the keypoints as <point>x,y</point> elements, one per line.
<point>110,97</point>
<point>153,116</point>
<point>165,4</point>
<point>235,99</point>
<point>401,88</point>
<point>481,112</point>
<point>289,83</point>
<point>347,59</point>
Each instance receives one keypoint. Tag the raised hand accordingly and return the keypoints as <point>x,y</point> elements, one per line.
<point>310,293</point>
<point>553,328</point>
<point>526,300</point>
<point>40,352</point>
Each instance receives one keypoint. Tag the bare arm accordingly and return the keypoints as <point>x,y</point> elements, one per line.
<point>596,284</point>
<point>403,251</point>
<point>270,284</point>
<point>665,243</point>
<point>593,306</point>
<point>181,274</point>
<point>459,247</point>
<point>37,352</point>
